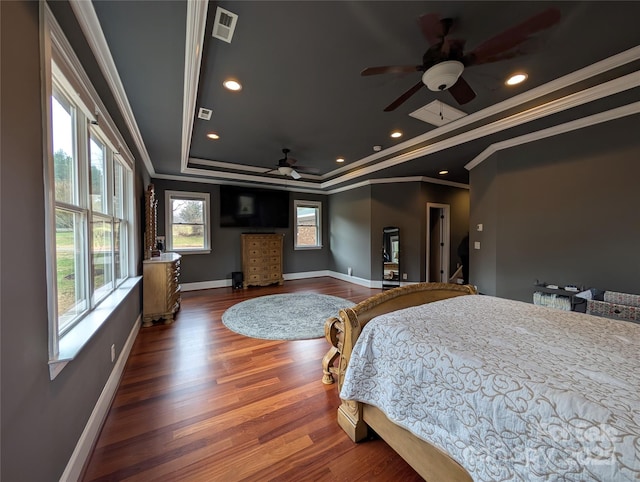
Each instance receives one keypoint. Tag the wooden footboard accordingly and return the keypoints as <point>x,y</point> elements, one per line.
<point>343,331</point>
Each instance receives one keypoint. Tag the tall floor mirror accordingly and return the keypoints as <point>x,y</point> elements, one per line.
<point>390,257</point>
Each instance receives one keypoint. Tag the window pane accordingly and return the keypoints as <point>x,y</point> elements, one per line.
<point>307,226</point>
<point>187,211</point>
<point>188,236</point>
<point>187,230</point>
<point>120,250</point>
<point>101,257</point>
<point>64,163</point>
<point>116,249</point>
<point>307,236</point>
<point>97,153</point>
<point>118,190</point>
<point>187,221</point>
<point>70,255</point>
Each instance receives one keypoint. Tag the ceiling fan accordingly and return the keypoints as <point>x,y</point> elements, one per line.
<point>444,61</point>
<point>285,168</point>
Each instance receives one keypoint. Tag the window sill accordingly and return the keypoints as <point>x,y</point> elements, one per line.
<point>303,248</point>
<point>73,341</point>
<point>191,251</point>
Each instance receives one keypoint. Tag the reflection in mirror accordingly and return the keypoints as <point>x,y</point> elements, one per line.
<point>390,257</point>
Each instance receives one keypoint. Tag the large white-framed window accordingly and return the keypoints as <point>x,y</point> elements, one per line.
<point>89,203</point>
<point>308,224</point>
<point>187,222</point>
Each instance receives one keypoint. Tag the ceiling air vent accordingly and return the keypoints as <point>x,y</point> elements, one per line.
<point>204,113</point>
<point>437,113</point>
<point>224,24</point>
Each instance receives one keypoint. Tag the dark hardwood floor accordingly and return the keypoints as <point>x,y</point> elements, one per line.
<point>198,402</point>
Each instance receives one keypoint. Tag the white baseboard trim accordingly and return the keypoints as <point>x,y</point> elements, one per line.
<point>307,274</point>
<point>205,285</point>
<point>355,280</point>
<point>87,440</point>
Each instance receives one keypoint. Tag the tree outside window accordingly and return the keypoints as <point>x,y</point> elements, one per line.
<point>187,221</point>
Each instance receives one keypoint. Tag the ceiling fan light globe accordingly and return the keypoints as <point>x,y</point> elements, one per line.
<point>285,170</point>
<point>443,75</point>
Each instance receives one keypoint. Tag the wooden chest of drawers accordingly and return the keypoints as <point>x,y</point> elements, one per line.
<point>160,288</point>
<point>262,259</point>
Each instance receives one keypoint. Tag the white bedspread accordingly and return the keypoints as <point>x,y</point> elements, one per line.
<point>512,391</point>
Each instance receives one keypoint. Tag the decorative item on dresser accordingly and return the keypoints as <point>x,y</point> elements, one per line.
<point>262,259</point>
<point>150,227</point>
<point>160,288</point>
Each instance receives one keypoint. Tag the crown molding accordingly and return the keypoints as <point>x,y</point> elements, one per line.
<point>396,180</point>
<point>251,178</point>
<point>242,167</point>
<point>625,57</point>
<point>235,179</point>
<point>90,25</point>
<point>600,91</point>
<point>588,121</point>
<point>89,101</point>
<point>390,180</point>
<point>196,22</point>
<point>194,44</point>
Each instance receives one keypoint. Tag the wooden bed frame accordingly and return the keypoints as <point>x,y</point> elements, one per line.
<point>357,418</point>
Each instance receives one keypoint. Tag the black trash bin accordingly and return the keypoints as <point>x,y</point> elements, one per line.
<point>236,280</point>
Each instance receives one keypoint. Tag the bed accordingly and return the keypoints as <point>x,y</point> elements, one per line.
<point>501,390</point>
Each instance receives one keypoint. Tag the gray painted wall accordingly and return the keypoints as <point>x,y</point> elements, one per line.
<point>358,216</point>
<point>225,256</point>
<point>352,230</point>
<point>350,242</point>
<point>562,210</point>
<point>396,205</point>
<point>458,200</point>
<point>41,420</point>
<point>484,209</point>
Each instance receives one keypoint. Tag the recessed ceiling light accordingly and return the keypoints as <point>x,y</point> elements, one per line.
<point>396,134</point>
<point>232,84</point>
<point>213,135</point>
<point>377,148</point>
<point>442,173</point>
<point>516,79</point>
<point>340,159</point>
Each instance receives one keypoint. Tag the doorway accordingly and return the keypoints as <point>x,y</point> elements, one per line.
<point>438,236</point>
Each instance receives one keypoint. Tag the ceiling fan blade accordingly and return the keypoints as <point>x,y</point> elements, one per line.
<point>514,36</point>
<point>470,59</point>
<point>391,69</point>
<point>462,91</point>
<point>433,28</point>
<point>400,100</point>
<point>294,174</point>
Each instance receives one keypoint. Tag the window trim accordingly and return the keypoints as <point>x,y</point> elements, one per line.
<point>309,204</point>
<point>206,217</point>
<point>63,73</point>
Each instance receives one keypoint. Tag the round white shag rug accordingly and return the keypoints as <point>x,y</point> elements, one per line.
<point>291,316</point>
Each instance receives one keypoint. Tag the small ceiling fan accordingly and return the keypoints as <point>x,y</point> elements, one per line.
<point>444,61</point>
<point>285,168</point>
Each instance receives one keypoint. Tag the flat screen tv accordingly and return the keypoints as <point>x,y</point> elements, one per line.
<point>247,207</point>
